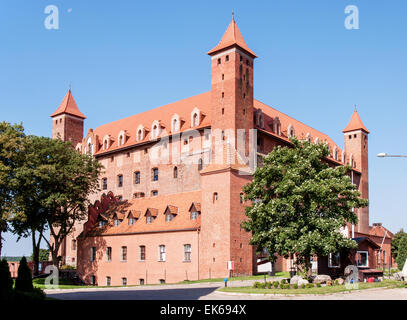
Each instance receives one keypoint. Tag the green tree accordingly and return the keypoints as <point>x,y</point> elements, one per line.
<point>395,242</point>
<point>24,282</point>
<point>6,283</point>
<point>11,137</point>
<point>300,203</point>
<point>402,253</point>
<point>43,255</point>
<point>66,180</point>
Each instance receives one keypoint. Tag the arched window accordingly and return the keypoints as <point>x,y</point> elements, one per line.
<point>120,140</point>
<point>175,125</point>
<point>290,131</point>
<point>215,197</point>
<point>175,172</point>
<point>89,148</point>
<point>200,165</point>
<point>195,120</point>
<point>155,131</point>
<point>105,145</point>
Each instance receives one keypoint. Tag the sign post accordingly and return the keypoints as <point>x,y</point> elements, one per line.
<point>230,266</point>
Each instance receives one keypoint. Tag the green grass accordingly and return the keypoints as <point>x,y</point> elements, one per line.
<point>316,290</point>
<point>256,277</point>
<point>65,284</point>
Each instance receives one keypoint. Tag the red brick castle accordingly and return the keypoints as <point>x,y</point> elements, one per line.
<point>179,218</point>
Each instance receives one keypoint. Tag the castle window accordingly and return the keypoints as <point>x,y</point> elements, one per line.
<point>74,244</point>
<point>175,125</point>
<point>123,254</point>
<point>141,282</point>
<point>104,183</point>
<point>223,135</point>
<point>354,135</point>
<point>350,136</point>
<point>149,219</point>
<point>140,135</point>
<point>169,217</point>
<point>89,148</point>
<point>223,76</point>
<point>244,110</point>
<point>120,180</point>
<point>109,254</point>
<point>124,281</point>
<point>155,131</point>
<point>187,252</point>
<point>93,254</point>
<point>223,111</point>
<point>215,197</point>
<point>223,95</point>
<point>227,58</point>
<point>195,121</point>
<point>161,253</point>
<point>175,172</point>
<point>142,251</point>
<point>137,177</point>
<point>219,61</point>
<point>247,62</point>
<point>131,221</point>
<point>241,198</point>
<point>111,159</point>
<point>154,174</point>
<point>105,145</point>
<point>200,164</point>
<point>194,215</point>
<point>241,58</point>
<point>154,193</point>
<point>120,140</point>
<point>116,222</point>
<point>108,281</point>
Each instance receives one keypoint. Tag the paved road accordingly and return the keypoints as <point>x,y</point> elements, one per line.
<point>207,291</point>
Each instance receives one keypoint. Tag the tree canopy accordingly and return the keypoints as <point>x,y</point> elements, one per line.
<point>396,241</point>
<point>299,203</point>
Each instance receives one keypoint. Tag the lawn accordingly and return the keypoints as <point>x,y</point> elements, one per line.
<point>65,284</point>
<point>317,290</point>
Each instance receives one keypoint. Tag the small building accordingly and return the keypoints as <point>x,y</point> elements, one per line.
<point>364,257</point>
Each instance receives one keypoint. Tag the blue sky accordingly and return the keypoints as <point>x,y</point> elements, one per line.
<point>125,57</point>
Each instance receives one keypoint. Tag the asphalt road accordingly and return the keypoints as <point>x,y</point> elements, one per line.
<point>207,291</point>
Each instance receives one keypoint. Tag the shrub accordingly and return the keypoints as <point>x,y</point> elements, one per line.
<point>310,285</point>
<point>67,267</point>
<point>303,286</point>
<point>287,286</point>
<point>6,283</point>
<point>282,281</point>
<point>336,282</point>
<point>34,295</point>
<point>275,284</point>
<point>24,282</point>
<point>256,284</point>
<point>269,285</point>
<point>318,285</point>
<point>295,286</point>
<point>401,253</point>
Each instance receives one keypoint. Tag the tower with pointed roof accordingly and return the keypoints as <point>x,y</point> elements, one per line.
<point>232,104</point>
<point>356,155</point>
<point>67,121</point>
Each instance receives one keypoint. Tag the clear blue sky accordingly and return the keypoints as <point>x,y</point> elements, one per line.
<point>125,57</point>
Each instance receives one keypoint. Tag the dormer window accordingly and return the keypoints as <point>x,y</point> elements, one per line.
<point>195,210</point>
<point>155,131</point>
<point>116,222</point>
<point>102,223</point>
<point>169,217</point>
<point>195,120</point>
<point>89,148</point>
<point>175,123</point>
<point>290,131</point>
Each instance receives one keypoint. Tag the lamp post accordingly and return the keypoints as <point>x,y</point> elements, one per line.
<point>385,155</point>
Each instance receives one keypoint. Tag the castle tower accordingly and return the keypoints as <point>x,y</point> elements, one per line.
<point>232,83</point>
<point>222,239</point>
<point>67,121</point>
<point>356,150</point>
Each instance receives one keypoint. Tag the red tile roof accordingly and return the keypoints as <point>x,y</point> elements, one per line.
<point>164,114</point>
<point>159,204</point>
<point>68,105</point>
<point>355,123</point>
<point>232,37</point>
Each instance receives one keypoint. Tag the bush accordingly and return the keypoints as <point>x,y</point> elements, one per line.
<point>310,285</point>
<point>336,282</point>
<point>295,286</point>
<point>275,284</point>
<point>401,253</point>
<point>67,267</point>
<point>24,281</point>
<point>269,285</point>
<point>318,285</point>
<point>303,286</point>
<point>34,295</point>
<point>287,286</point>
<point>282,281</point>
<point>256,284</point>
<point>6,283</point>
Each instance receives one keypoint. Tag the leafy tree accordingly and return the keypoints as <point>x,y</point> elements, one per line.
<point>299,204</point>
<point>10,146</point>
<point>402,253</point>
<point>43,255</point>
<point>65,178</point>
<point>6,283</point>
<point>32,191</point>
<point>24,282</point>
<point>395,242</point>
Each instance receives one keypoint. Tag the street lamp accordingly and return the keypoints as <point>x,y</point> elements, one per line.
<point>384,154</point>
